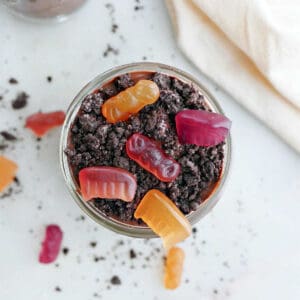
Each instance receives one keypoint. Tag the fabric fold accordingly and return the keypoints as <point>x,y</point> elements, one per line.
<point>217,55</point>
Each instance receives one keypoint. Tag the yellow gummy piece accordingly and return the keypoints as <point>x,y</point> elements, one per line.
<point>173,268</point>
<point>8,171</point>
<point>163,217</point>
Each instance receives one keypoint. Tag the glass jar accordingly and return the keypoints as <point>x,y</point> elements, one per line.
<point>100,80</point>
<point>43,9</point>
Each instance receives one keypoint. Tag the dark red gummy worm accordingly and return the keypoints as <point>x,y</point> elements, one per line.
<point>151,157</point>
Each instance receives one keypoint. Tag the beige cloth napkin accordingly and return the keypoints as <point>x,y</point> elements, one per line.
<point>252,49</point>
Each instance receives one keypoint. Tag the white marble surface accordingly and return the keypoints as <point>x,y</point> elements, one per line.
<point>247,248</point>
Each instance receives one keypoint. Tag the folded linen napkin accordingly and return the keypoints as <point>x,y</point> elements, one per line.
<point>252,49</point>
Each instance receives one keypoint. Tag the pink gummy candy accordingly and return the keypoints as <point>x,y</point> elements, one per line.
<point>201,128</point>
<point>51,244</point>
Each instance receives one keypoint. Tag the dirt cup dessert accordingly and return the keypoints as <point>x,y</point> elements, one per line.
<point>138,128</point>
<point>42,9</point>
<point>145,151</point>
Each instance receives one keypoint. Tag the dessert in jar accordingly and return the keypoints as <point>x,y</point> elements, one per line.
<point>145,137</point>
<point>43,8</point>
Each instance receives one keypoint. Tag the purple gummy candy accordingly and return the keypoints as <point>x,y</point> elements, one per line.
<point>201,128</point>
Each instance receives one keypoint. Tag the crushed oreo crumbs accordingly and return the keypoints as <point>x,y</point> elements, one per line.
<point>98,258</point>
<point>132,254</point>
<point>65,250</point>
<point>13,80</point>
<point>115,280</point>
<point>110,50</point>
<point>8,136</point>
<point>3,146</point>
<point>80,218</point>
<point>114,28</point>
<point>138,6</point>
<point>20,101</point>
<point>93,244</point>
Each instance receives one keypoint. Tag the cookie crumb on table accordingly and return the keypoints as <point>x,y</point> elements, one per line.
<point>110,50</point>
<point>65,250</point>
<point>93,244</point>
<point>132,254</point>
<point>8,136</point>
<point>20,101</point>
<point>115,280</point>
<point>13,80</point>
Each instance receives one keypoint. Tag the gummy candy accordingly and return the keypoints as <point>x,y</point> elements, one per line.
<point>41,123</point>
<point>8,170</point>
<point>201,127</point>
<point>107,182</point>
<point>163,217</point>
<point>151,157</point>
<point>130,101</point>
<point>51,244</point>
<point>173,268</point>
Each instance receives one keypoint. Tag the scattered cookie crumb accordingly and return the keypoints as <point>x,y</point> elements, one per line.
<point>3,146</point>
<point>8,136</point>
<point>98,258</point>
<point>17,181</point>
<point>20,101</point>
<point>13,80</point>
<point>65,250</point>
<point>132,254</point>
<point>57,289</point>
<point>120,242</point>
<point>138,6</point>
<point>96,295</point>
<point>80,218</point>
<point>49,78</point>
<point>115,280</point>
<point>93,244</point>
<point>114,28</point>
<point>110,49</point>
<point>111,9</point>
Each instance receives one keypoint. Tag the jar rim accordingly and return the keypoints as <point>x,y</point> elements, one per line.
<point>100,80</point>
